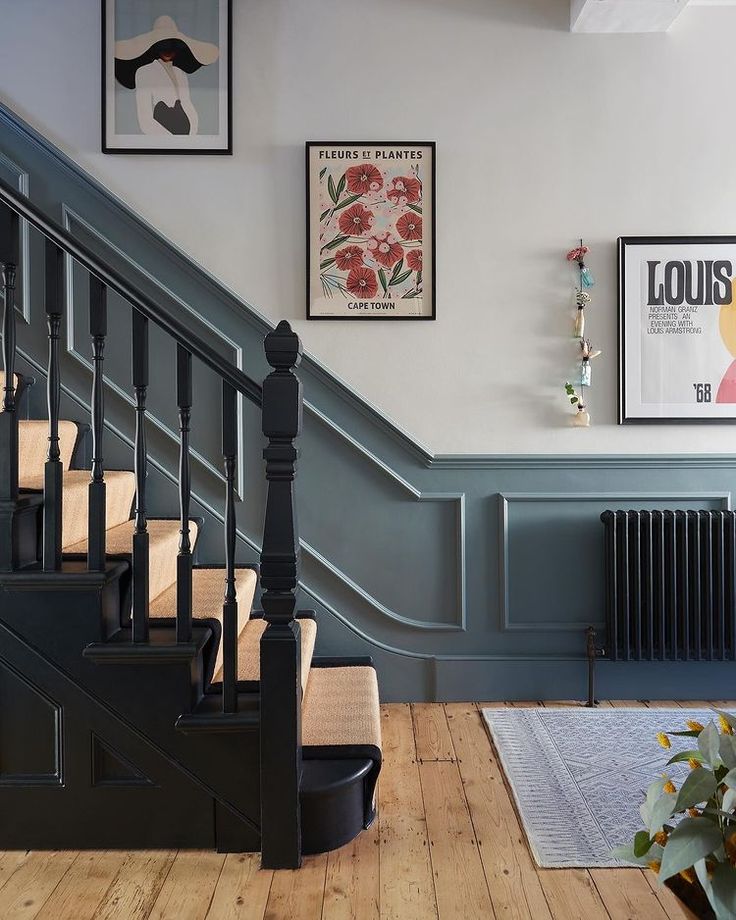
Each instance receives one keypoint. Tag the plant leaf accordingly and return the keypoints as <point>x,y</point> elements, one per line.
<point>729,800</point>
<point>722,894</point>
<point>326,263</point>
<point>415,207</point>
<point>686,755</point>
<point>343,204</point>
<point>401,278</point>
<point>688,734</point>
<point>661,810</point>
<point>331,189</point>
<point>727,750</point>
<point>709,744</point>
<point>341,185</point>
<point>419,277</point>
<point>691,840</point>
<point>382,279</point>
<point>397,268</point>
<point>698,787</point>
<point>322,172</point>
<point>626,853</point>
<point>338,241</point>
<point>642,843</point>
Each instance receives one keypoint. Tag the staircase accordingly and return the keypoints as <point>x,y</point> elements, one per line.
<point>143,701</point>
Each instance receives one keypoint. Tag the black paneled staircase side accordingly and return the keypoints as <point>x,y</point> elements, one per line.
<point>143,705</point>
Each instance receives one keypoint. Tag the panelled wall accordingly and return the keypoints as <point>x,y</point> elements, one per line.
<point>464,576</point>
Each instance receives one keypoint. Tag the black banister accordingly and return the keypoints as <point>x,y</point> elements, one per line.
<point>281,737</point>
<point>9,254</point>
<point>140,535</point>
<point>133,295</point>
<point>97,488</point>
<point>184,557</point>
<point>230,602</point>
<point>53,469</point>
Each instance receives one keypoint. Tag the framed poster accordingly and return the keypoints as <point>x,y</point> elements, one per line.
<point>677,329</point>
<point>166,76</point>
<point>370,230</point>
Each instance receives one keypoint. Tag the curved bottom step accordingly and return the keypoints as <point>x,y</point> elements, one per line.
<point>333,798</point>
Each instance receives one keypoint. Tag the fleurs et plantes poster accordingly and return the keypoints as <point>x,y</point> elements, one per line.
<point>370,230</point>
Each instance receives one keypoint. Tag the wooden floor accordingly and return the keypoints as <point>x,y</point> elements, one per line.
<point>447,845</point>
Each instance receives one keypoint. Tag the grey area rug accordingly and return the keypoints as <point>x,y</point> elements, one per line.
<point>579,775</point>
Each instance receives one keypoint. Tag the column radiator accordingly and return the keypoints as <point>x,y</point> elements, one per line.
<point>670,585</point>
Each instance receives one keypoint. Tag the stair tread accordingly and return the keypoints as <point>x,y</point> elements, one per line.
<point>342,708</point>
<point>249,650</point>
<point>33,442</point>
<point>164,545</point>
<point>208,589</point>
<point>119,500</point>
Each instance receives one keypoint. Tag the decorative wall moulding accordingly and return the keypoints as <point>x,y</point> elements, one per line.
<point>370,230</point>
<point>166,76</point>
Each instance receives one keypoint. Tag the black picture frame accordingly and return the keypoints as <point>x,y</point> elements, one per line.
<point>157,151</point>
<point>432,245</point>
<point>624,414</point>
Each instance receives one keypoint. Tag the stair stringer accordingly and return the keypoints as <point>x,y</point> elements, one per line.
<point>224,766</point>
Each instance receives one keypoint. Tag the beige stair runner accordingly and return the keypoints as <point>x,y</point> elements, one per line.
<point>341,707</point>
<point>208,590</point>
<point>249,650</point>
<point>119,494</point>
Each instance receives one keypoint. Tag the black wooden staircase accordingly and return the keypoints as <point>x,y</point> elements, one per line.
<point>142,702</point>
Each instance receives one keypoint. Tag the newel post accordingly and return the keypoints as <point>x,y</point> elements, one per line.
<point>9,253</point>
<point>281,693</point>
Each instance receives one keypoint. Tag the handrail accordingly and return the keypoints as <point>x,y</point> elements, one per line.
<point>134,296</point>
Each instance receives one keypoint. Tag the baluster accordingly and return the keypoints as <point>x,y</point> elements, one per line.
<point>97,487</point>
<point>9,254</point>
<point>140,463</point>
<point>280,685</point>
<point>230,604</point>
<point>184,558</point>
<point>54,469</point>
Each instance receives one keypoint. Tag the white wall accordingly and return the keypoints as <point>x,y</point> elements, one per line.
<point>542,136</point>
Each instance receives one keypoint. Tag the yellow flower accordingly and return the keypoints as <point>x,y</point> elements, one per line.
<point>663,740</point>
<point>661,838</point>
<point>725,726</point>
<point>669,786</point>
<point>688,875</point>
<point>693,763</point>
<point>654,865</point>
<point>693,812</point>
<point>694,726</point>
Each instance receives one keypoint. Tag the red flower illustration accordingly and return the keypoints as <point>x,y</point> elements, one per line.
<point>362,282</point>
<point>414,260</point>
<point>349,257</point>
<point>404,190</point>
<point>364,178</point>
<point>385,250</point>
<point>409,226</point>
<point>355,220</point>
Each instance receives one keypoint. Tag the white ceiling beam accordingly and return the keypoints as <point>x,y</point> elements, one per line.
<point>624,15</point>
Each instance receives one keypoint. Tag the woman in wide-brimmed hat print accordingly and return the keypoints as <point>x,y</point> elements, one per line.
<point>156,65</point>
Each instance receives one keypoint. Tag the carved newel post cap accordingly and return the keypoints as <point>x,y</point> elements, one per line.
<point>283,348</point>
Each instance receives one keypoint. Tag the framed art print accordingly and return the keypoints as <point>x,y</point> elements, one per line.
<point>166,76</point>
<point>370,230</point>
<point>677,329</point>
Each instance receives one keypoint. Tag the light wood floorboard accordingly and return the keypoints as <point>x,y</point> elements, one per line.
<point>447,845</point>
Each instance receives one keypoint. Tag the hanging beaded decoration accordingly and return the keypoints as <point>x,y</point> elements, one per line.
<point>587,352</point>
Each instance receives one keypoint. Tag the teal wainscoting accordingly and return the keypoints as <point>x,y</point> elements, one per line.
<point>463,576</point>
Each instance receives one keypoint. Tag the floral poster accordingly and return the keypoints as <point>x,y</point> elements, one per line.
<point>370,231</point>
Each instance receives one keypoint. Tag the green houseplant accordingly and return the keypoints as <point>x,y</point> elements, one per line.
<point>689,837</point>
